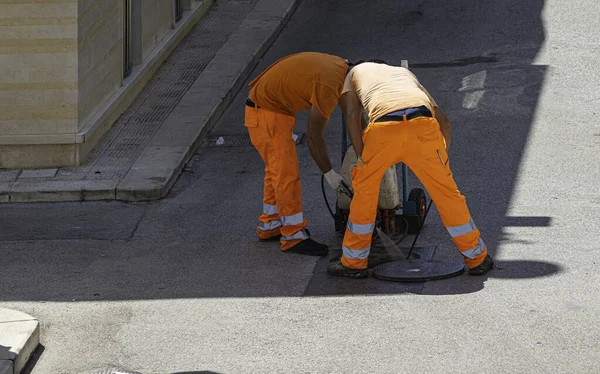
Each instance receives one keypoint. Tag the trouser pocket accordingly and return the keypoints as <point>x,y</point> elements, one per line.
<point>251,117</point>
<point>432,146</point>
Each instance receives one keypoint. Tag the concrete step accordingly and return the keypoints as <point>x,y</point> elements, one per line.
<point>19,337</point>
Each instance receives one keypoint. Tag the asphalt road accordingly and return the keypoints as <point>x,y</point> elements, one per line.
<point>182,285</point>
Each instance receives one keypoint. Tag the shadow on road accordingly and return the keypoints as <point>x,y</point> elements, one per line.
<point>475,57</point>
<point>4,352</point>
<point>477,60</point>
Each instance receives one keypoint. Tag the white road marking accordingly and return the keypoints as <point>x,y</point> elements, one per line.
<point>474,85</point>
<point>472,99</point>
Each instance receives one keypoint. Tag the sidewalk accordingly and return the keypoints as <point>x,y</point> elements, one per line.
<point>19,337</point>
<point>145,151</point>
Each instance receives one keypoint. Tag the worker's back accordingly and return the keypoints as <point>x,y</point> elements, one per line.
<point>298,81</point>
<point>383,89</point>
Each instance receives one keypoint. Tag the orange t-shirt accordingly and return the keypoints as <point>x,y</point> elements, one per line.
<point>299,81</point>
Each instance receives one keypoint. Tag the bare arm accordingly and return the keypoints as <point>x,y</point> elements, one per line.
<point>352,109</point>
<point>316,143</point>
<point>365,120</point>
<point>445,126</point>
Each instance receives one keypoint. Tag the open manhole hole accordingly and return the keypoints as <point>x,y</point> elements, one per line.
<point>238,140</point>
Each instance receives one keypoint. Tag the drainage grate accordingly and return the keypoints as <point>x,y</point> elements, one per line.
<point>123,144</point>
<point>237,141</point>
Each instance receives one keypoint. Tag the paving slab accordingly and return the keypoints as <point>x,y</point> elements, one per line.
<point>19,336</point>
<point>181,103</point>
<point>153,173</point>
<point>62,190</point>
<point>38,173</point>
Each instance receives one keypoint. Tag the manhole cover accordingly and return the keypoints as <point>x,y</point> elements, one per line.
<point>417,271</point>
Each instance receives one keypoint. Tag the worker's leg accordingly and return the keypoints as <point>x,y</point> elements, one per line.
<point>427,157</point>
<point>382,149</point>
<point>269,224</point>
<point>273,135</point>
<point>285,173</point>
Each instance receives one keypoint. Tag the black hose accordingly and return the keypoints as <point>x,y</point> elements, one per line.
<point>325,197</point>
<point>419,232</point>
<point>405,233</point>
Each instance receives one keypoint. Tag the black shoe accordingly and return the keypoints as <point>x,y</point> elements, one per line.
<point>309,247</point>
<point>337,269</point>
<point>484,267</point>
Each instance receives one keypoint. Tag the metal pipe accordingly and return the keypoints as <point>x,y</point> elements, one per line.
<point>344,138</point>
<point>404,184</point>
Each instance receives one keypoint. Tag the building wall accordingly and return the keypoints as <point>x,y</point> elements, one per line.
<point>156,24</point>
<point>38,60</point>
<point>100,45</point>
<point>61,72</point>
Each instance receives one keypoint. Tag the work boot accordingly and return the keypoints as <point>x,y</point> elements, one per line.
<point>484,267</point>
<point>338,269</point>
<point>309,247</point>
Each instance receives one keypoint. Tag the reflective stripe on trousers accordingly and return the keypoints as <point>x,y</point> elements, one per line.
<point>419,144</point>
<point>356,254</point>
<point>360,229</point>
<point>271,135</point>
<point>270,209</point>
<point>269,225</point>
<point>292,220</point>
<point>474,252</point>
<point>357,243</point>
<point>300,235</point>
<point>461,230</point>
<point>465,231</point>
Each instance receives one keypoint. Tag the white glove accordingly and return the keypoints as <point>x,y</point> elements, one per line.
<point>337,182</point>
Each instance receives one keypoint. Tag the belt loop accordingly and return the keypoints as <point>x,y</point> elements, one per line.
<point>404,118</point>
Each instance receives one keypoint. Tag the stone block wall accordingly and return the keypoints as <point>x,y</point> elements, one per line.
<point>100,53</point>
<point>61,72</point>
<point>38,67</point>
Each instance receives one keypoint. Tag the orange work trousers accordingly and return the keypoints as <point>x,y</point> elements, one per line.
<point>419,144</point>
<point>271,134</point>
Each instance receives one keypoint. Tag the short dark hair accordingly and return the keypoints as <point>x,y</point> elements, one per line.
<point>377,61</point>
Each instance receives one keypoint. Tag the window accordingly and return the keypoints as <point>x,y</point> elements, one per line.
<point>127,63</point>
<point>178,10</point>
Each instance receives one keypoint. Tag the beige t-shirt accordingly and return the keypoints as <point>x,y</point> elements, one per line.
<point>383,89</point>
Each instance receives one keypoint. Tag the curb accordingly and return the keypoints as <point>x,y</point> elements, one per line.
<point>19,337</point>
<point>160,164</point>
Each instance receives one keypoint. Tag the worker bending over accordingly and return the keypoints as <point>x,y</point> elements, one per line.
<point>405,125</point>
<point>303,81</point>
